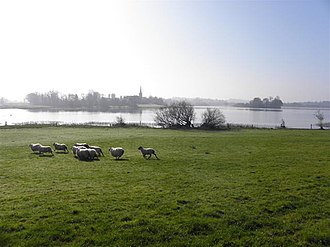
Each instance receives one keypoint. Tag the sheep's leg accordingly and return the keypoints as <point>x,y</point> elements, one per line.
<point>149,156</point>
<point>156,157</point>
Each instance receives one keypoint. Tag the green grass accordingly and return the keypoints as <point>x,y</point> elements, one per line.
<point>227,188</point>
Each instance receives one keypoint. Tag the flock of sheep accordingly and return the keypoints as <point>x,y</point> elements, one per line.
<point>86,152</point>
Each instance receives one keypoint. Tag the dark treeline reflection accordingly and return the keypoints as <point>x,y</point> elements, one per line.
<point>93,101</point>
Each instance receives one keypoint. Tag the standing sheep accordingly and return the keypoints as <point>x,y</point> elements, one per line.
<point>117,152</point>
<point>148,151</point>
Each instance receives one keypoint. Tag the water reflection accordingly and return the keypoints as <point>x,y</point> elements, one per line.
<point>264,109</point>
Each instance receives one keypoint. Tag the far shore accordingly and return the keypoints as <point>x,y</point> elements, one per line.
<point>27,106</point>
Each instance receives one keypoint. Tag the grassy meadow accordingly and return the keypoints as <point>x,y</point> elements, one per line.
<point>209,188</point>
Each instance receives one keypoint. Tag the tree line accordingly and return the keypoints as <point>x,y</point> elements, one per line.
<point>91,101</point>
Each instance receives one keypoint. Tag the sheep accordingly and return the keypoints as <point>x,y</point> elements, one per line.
<point>97,149</point>
<point>45,149</point>
<point>60,147</point>
<point>35,147</point>
<point>148,151</point>
<point>83,154</point>
<point>92,154</point>
<point>86,154</point>
<point>81,144</point>
<point>116,152</point>
<point>75,150</point>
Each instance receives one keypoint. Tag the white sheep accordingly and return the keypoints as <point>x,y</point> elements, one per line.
<point>76,148</point>
<point>148,151</point>
<point>116,152</point>
<point>97,149</point>
<point>86,154</point>
<point>92,154</point>
<point>81,144</point>
<point>82,154</point>
<point>35,147</point>
<point>45,149</point>
<point>60,147</point>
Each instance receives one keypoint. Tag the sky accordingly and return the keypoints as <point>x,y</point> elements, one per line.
<point>210,49</point>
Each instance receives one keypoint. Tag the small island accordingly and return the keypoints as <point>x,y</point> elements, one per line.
<point>271,103</point>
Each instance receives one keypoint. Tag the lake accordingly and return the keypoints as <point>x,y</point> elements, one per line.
<point>293,117</point>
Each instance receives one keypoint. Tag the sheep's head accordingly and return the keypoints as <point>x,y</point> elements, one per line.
<point>140,148</point>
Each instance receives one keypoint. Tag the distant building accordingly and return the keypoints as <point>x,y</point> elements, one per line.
<point>140,93</point>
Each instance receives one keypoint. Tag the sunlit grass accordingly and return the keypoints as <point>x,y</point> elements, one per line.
<point>229,188</point>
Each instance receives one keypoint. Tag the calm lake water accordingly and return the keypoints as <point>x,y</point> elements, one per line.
<point>293,117</point>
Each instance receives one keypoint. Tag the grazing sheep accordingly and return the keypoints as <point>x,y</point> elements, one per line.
<point>60,147</point>
<point>148,151</point>
<point>35,147</point>
<point>98,150</point>
<point>81,144</point>
<point>117,152</point>
<point>45,149</point>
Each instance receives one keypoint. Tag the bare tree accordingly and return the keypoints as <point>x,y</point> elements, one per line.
<point>213,118</point>
<point>179,114</point>
<point>320,116</point>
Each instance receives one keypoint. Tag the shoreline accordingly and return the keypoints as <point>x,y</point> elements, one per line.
<point>226,127</point>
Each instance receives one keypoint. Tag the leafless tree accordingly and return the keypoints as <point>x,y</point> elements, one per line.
<point>177,115</point>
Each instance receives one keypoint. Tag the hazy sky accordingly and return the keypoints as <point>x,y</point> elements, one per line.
<point>213,49</point>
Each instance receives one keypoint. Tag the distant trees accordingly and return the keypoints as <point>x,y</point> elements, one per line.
<point>179,114</point>
<point>266,102</point>
<point>256,103</point>
<point>90,101</point>
<point>212,118</point>
<point>2,101</point>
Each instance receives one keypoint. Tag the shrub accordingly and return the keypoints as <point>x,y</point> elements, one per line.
<point>212,118</point>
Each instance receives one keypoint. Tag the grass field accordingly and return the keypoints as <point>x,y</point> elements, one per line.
<point>226,188</point>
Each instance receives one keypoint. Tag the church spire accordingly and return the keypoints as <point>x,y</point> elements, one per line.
<point>140,93</point>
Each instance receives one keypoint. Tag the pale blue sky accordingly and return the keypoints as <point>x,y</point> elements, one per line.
<point>212,49</point>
